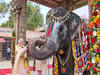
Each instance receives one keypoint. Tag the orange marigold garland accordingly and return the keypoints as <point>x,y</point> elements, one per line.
<point>94,27</point>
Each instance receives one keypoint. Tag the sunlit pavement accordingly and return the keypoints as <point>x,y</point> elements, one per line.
<point>7,65</point>
<point>5,68</point>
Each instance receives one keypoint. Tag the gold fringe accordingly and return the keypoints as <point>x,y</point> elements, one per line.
<point>74,54</point>
<point>26,63</point>
<point>56,64</point>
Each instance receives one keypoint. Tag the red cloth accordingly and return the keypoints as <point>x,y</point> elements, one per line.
<point>5,71</point>
<point>49,31</point>
<point>9,71</point>
<point>34,68</point>
<point>50,66</point>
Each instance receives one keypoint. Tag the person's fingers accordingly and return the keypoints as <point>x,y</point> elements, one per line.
<point>25,48</point>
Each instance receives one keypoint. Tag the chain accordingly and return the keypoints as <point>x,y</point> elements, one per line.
<point>62,62</point>
<point>65,19</point>
<point>61,19</point>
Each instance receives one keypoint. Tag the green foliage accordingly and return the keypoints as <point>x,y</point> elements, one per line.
<point>4,7</point>
<point>10,22</point>
<point>34,17</point>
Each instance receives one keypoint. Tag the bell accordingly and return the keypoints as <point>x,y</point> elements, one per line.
<point>63,70</point>
<point>61,52</point>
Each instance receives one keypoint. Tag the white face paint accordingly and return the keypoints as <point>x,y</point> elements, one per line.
<point>54,33</point>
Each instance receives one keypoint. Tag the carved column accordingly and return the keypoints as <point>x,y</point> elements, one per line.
<point>19,9</point>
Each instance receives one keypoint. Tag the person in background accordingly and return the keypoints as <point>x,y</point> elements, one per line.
<point>8,53</point>
<point>19,66</point>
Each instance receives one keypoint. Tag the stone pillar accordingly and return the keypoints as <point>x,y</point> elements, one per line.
<point>19,10</point>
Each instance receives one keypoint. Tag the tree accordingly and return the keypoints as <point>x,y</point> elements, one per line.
<point>4,7</point>
<point>34,17</point>
<point>9,23</point>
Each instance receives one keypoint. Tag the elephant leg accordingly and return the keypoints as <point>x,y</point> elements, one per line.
<point>70,66</point>
<point>86,72</point>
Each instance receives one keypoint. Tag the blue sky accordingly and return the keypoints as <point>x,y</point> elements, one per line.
<point>7,1</point>
<point>4,17</point>
<point>83,11</point>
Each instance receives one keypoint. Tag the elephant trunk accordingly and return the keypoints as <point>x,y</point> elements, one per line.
<point>48,49</point>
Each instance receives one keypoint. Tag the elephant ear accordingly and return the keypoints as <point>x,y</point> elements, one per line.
<point>76,22</point>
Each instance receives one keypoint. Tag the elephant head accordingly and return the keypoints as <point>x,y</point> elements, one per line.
<point>61,27</point>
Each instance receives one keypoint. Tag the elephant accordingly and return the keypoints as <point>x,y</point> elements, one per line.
<point>62,27</point>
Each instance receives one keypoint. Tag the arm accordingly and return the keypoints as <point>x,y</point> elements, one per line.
<point>22,51</point>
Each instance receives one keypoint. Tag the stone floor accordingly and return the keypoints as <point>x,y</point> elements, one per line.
<point>7,64</point>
